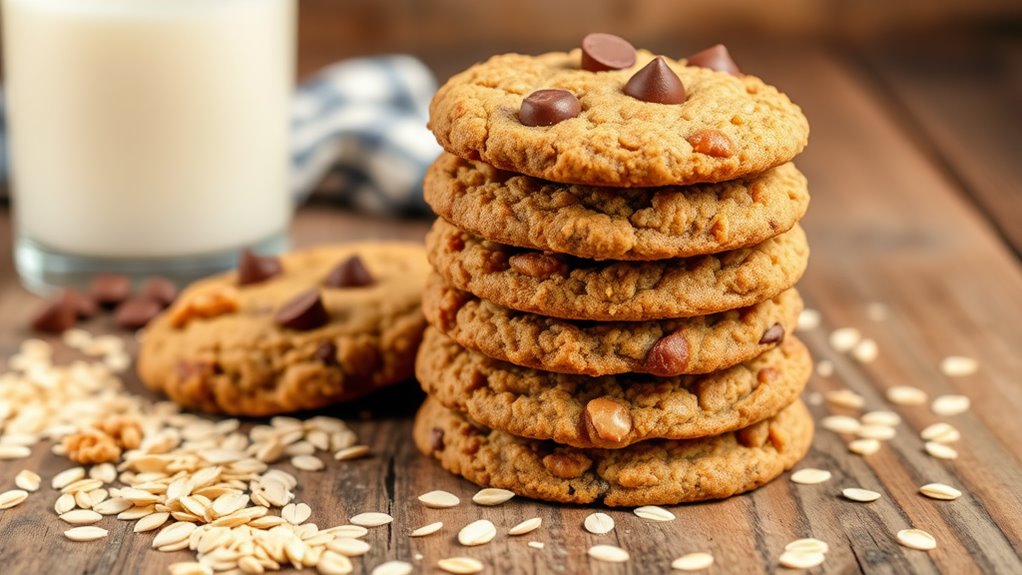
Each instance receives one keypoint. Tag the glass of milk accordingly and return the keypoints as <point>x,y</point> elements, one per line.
<point>147,136</point>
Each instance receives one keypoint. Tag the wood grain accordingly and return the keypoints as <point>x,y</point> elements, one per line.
<point>886,225</point>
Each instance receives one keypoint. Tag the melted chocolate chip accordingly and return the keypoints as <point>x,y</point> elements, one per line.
<point>548,107</point>
<point>326,352</point>
<point>715,58</point>
<point>602,52</point>
<point>57,316</point>
<point>656,83</point>
<point>304,312</point>
<point>159,289</point>
<point>773,335</point>
<point>438,439</point>
<point>349,273</point>
<point>136,312</point>
<point>110,289</point>
<point>253,268</point>
<point>669,356</point>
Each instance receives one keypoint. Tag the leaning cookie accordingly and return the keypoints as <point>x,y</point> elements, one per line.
<point>312,328</point>
<point>572,288</point>
<point>658,472</point>
<point>615,223</point>
<point>666,347</point>
<point>610,411</point>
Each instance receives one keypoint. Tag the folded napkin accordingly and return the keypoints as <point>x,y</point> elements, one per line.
<point>358,134</point>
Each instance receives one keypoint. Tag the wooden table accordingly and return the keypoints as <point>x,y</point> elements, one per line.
<point>917,204</point>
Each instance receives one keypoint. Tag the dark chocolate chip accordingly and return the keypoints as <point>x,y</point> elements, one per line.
<point>656,83</point>
<point>85,306</point>
<point>668,356</point>
<point>326,352</point>
<point>253,268</point>
<point>773,335</point>
<point>57,315</point>
<point>304,312</point>
<point>438,439</point>
<point>602,52</point>
<point>136,312</point>
<point>715,58</point>
<point>110,289</point>
<point>159,289</point>
<point>349,273</point>
<point>548,107</point>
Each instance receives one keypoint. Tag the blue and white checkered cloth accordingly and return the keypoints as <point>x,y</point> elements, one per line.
<point>358,134</point>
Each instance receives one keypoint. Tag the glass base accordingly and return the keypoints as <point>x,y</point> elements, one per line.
<point>44,270</point>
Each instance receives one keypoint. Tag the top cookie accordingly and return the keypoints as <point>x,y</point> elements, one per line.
<point>616,139</point>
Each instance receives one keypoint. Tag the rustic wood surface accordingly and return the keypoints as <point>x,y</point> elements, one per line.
<point>915,205</point>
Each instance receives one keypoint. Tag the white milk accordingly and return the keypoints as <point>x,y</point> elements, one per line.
<point>149,128</point>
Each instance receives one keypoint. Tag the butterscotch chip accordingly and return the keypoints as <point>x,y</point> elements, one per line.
<point>711,142</point>
<point>566,465</point>
<point>610,420</point>
<point>537,265</point>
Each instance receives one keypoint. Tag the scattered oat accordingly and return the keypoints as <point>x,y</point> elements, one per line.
<point>693,562</point>
<point>599,523</point>
<point>906,395</point>
<point>189,568</point>
<point>808,319</point>
<point>86,533</point>
<point>14,452</point>
<point>296,514</point>
<point>536,544</point>
<point>12,498</point>
<point>940,450</point>
<point>347,531</point>
<point>462,565</point>
<point>393,568</point>
<point>527,526</point>
<point>608,553</point>
<point>353,452</point>
<point>67,477</point>
<point>948,405</point>
<point>427,529</point>
<point>66,502</point>
<point>653,513</point>
<point>844,339</point>
<point>797,560</point>
<point>307,463</point>
<point>810,476</point>
<point>439,499</point>
<point>917,539</point>
<point>825,368</point>
<point>371,519</point>
<point>841,424</point>
<point>151,521</point>
<point>808,545</point>
<point>492,496</point>
<point>940,491</point>
<point>112,506</point>
<point>880,432</point>
<point>349,547</point>
<point>860,495</point>
<point>888,418</point>
<point>28,480</point>
<point>173,533</point>
<point>958,366</point>
<point>477,533</point>
<point>81,517</point>
<point>864,446</point>
<point>941,433</point>
<point>845,398</point>
<point>865,351</point>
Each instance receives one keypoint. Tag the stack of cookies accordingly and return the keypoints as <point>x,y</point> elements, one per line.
<point>614,262</point>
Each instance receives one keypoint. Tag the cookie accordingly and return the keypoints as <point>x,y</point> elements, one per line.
<point>615,223</point>
<point>572,288</point>
<point>657,472</point>
<point>609,411</point>
<point>257,349</point>
<point>726,128</point>
<point>699,344</point>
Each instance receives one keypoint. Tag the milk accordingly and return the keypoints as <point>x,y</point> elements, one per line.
<point>149,128</point>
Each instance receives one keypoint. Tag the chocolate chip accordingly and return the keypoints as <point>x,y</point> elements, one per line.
<point>438,439</point>
<point>85,306</point>
<point>656,83</point>
<point>548,107</point>
<point>349,273</point>
<point>159,289</point>
<point>110,289</point>
<point>715,58</point>
<point>136,312</point>
<point>606,52</point>
<point>253,268</point>
<point>326,352</point>
<point>538,265</point>
<point>304,312</point>
<point>57,315</point>
<point>668,357</point>
<point>773,335</point>
<point>711,142</point>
